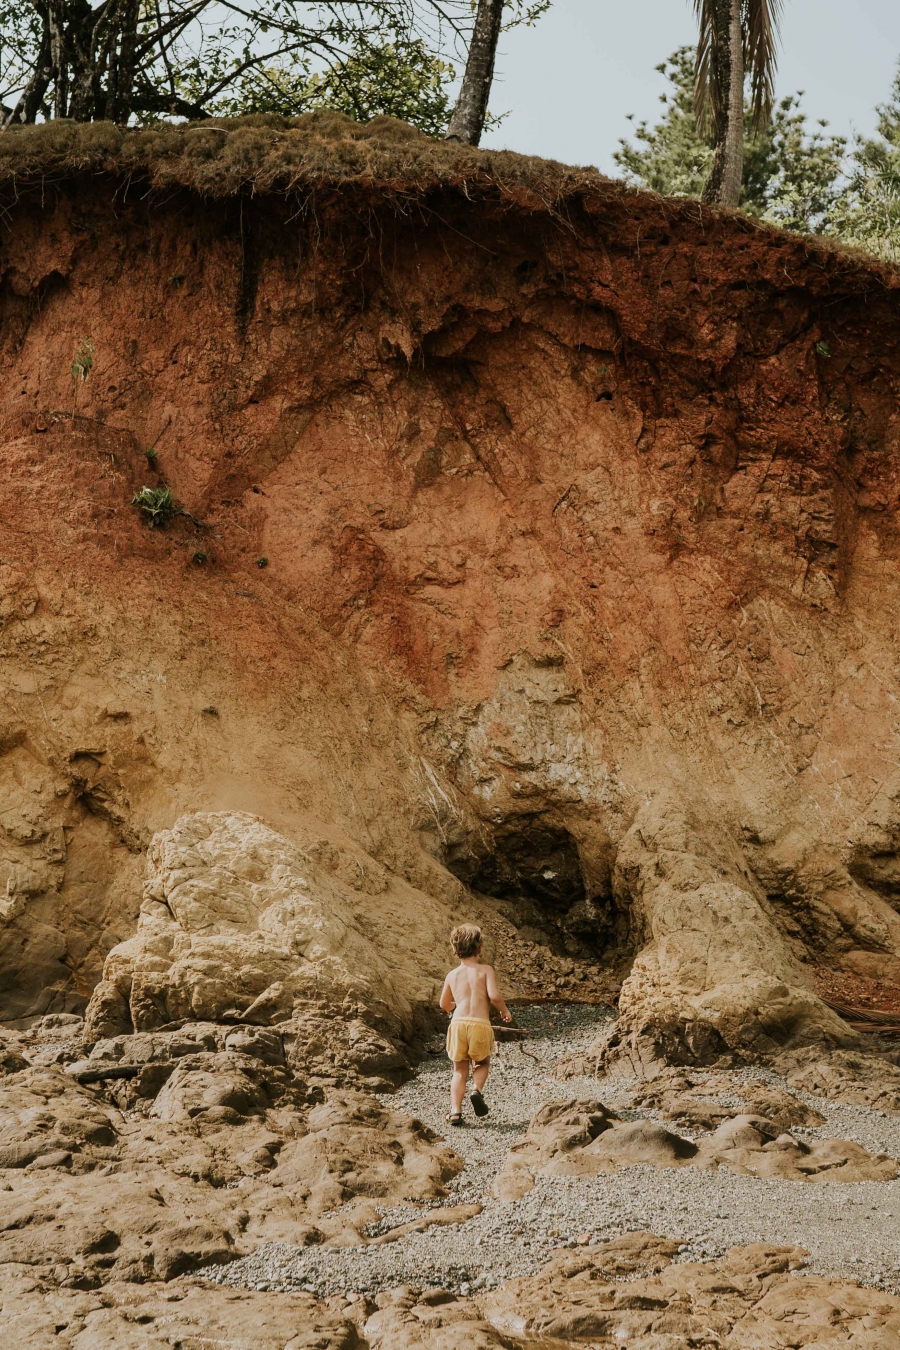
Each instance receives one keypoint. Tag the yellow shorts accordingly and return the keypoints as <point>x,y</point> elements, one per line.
<point>470,1038</point>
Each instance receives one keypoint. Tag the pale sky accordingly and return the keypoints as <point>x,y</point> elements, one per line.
<point>570,81</point>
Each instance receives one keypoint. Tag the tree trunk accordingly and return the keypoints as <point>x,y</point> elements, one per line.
<point>467,122</point>
<point>121,66</point>
<point>29,104</point>
<point>724,183</point>
<point>85,34</point>
<point>59,56</point>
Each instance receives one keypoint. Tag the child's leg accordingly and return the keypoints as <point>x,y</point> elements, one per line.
<point>480,1075</point>
<point>458,1085</point>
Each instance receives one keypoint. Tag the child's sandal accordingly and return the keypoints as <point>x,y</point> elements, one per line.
<point>479,1105</point>
<point>455,1119</point>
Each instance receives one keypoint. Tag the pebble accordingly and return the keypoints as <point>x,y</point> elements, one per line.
<point>850,1230</point>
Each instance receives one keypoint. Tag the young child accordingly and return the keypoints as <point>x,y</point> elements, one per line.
<point>468,993</point>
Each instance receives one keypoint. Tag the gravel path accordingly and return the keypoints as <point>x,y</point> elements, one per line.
<point>851,1230</point>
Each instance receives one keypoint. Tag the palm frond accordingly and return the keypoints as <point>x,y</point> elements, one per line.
<point>707,94</point>
<point>761,22</point>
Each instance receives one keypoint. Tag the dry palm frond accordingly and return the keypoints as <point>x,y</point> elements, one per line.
<point>759,21</point>
<point>708,107</point>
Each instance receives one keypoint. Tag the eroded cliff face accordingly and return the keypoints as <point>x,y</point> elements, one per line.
<point>548,571</point>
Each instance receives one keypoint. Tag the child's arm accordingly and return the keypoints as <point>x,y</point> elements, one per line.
<point>448,1003</point>
<point>494,995</point>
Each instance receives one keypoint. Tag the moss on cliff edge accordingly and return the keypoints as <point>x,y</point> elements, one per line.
<point>269,153</point>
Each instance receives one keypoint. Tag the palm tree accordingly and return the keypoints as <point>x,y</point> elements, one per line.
<point>467,122</point>
<point>736,37</point>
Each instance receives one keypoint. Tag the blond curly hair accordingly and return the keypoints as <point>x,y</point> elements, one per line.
<point>466,940</point>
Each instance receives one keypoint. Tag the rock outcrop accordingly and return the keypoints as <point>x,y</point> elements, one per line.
<point>582,1138</point>
<point>631,1291</point>
<point>38,1314</point>
<point>160,1154</point>
<point>237,924</point>
<point>626,1291</point>
<point>690,1099</point>
<point>858,1079</point>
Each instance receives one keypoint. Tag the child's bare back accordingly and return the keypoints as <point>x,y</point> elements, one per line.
<point>472,988</point>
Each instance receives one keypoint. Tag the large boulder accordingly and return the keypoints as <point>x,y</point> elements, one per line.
<point>237,924</point>
<point>715,976</point>
<point>47,1120</point>
<point>353,1146</point>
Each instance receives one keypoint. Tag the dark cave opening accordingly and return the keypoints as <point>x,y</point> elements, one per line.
<point>536,869</point>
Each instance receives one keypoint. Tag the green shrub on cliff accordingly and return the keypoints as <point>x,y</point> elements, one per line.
<point>157,506</point>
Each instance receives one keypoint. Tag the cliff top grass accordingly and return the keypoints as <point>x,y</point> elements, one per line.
<point>268,153</point>
<point>297,156</point>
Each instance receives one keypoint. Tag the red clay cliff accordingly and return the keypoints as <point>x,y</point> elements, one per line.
<point>547,557</point>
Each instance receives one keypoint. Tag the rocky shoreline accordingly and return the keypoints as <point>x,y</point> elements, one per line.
<point>849,1229</point>
<point>282,1164</point>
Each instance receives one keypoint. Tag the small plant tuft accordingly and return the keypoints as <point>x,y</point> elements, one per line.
<point>823,349</point>
<point>157,505</point>
<point>200,557</point>
<point>262,562</point>
<point>152,456</point>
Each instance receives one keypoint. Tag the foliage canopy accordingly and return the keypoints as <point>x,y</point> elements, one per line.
<point>796,176</point>
<point>129,61</point>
